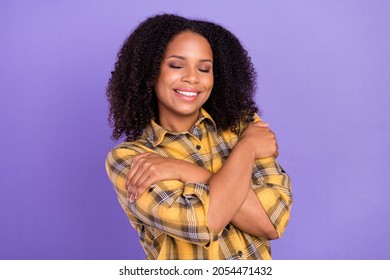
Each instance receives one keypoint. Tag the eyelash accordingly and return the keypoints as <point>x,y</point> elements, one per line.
<point>179,67</point>
<point>175,67</point>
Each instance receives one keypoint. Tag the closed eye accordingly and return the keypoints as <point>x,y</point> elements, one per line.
<point>175,66</point>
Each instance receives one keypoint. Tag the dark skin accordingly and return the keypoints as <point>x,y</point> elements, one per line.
<point>249,216</point>
<point>182,89</point>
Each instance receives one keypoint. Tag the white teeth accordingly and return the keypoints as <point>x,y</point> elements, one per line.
<point>187,93</point>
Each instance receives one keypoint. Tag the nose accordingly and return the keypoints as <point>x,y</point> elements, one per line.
<point>190,75</point>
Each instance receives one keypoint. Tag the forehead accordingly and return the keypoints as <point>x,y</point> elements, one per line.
<point>190,44</point>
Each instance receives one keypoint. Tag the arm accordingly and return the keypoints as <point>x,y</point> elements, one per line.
<point>232,183</point>
<point>149,168</point>
<point>251,216</point>
<point>169,205</point>
<point>267,209</point>
<point>253,219</point>
<point>180,210</point>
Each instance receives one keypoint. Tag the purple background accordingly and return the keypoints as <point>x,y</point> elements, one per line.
<point>323,85</point>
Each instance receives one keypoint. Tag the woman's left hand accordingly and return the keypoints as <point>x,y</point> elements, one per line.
<point>147,169</point>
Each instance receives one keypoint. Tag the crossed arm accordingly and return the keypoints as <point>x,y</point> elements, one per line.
<point>231,198</point>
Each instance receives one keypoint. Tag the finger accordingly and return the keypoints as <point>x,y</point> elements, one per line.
<point>138,187</point>
<point>269,133</point>
<point>137,157</point>
<point>134,172</point>
<point>140,173</point>
<point>130,176</point>
<point>144,184</point>
<point>128,185</point>
<point>260,124</point>
<point>134,167</point>
<point>133,160</point>
<point>140,167</point>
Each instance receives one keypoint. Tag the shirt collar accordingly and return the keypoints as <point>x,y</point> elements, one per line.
<point>155,134</point>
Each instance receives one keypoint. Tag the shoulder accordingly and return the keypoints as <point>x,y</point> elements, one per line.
<point>132,148</point>
<point>244,123</point>
<point>232,134</point>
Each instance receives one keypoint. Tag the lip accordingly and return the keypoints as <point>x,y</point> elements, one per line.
<point>187,97</point>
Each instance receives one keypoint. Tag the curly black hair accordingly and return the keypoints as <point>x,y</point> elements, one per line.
<point>130,91</point>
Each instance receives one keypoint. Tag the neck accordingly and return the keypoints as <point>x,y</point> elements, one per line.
<point>178,123</point>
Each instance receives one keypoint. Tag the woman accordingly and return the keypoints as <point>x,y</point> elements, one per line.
<point>197,175</point>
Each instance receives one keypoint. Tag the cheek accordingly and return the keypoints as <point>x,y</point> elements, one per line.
<point>210,83</point>
<point>163,82</point>
<point>168,74</point>
<point>157,87</point>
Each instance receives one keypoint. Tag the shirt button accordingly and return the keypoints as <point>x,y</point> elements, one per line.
<point>239,253</point>
<point>198,147</point>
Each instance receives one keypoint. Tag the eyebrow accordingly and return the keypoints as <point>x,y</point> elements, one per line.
<point>183,58</point>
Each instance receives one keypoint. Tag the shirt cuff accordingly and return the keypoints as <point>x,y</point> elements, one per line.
<point>201,192</point>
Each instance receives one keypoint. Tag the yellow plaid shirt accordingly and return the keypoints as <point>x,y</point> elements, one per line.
<point>171,217</point>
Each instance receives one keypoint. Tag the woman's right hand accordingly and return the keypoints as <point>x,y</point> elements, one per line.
<point>261,139</point>
<point>149,168</point>
<point>146,169</point>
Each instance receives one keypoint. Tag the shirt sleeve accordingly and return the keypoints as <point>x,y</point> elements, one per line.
<point>273,189</point>
<point>178,209</point>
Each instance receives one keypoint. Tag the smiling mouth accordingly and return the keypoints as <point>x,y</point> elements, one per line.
<point>187,93</point>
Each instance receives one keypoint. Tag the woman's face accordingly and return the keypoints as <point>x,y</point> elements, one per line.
<point>185,81</point>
